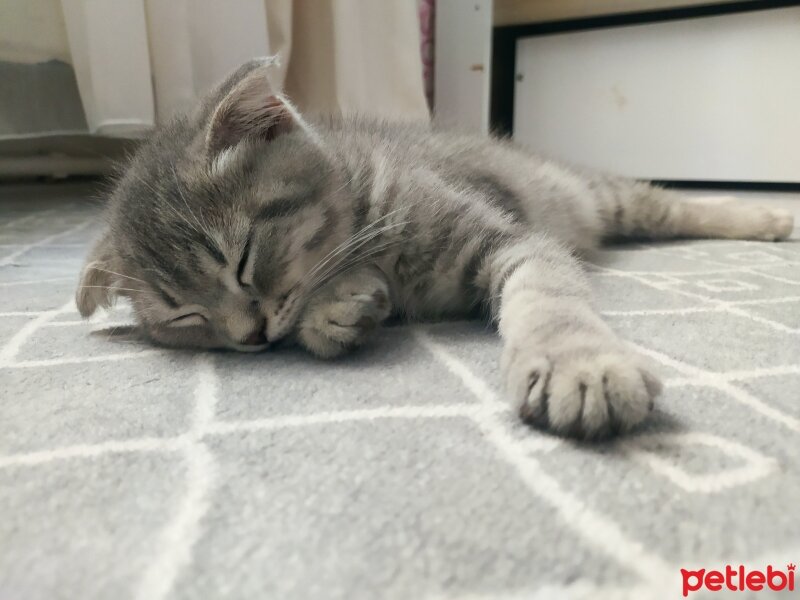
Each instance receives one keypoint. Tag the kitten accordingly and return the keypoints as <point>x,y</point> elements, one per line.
<point>243,224</point>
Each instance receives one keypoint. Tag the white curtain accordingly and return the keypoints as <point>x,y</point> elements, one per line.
<point>137,62</point>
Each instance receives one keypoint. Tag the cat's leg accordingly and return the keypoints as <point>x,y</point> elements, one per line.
<point>565,369</point>
<point>638,209</point>
<point>344,313</point>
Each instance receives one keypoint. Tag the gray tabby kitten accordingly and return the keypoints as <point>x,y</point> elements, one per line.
<point>243,224</point>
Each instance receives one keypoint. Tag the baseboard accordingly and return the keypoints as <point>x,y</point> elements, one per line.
<point>54,166</point>
<point>754,186</point>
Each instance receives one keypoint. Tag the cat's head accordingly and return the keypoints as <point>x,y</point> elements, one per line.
<point>217,224</point>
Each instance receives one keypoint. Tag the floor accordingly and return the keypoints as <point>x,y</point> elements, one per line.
<point>132,472</point>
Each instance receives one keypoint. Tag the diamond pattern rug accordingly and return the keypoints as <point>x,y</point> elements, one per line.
<point>399,472</point>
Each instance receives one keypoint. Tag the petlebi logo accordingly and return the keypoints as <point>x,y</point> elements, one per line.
<point>739,579</point>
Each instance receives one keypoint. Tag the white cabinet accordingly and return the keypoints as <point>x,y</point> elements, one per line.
<point>709,99</point>
<point>463,57</point>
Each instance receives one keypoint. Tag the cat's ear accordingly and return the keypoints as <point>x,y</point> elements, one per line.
<point>251,109</point>
<point>96,283</point>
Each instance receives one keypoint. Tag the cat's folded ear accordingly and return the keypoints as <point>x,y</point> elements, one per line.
<point>250,108</point>
<point>96,283</point>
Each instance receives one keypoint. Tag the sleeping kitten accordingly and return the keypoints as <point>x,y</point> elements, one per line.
<point>243,224</point>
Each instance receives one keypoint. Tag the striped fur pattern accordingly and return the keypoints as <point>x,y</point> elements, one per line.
<point>244,224</point>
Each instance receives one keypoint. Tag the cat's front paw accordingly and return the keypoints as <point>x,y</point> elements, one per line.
<point>344,316</point>
<point>586,393</point>
<point>768,224</point>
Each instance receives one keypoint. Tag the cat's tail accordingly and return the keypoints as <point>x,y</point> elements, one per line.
<point>636,209</point>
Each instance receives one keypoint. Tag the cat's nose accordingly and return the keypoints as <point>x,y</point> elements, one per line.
<point>257,337</point>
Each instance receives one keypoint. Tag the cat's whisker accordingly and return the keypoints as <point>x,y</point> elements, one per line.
<point>96,268</point>
<point>352,249</point>
<point>356,248</point>
<point>167,205</point>
<point>359,238</point>
<point>347,183</point>
<point>115,289</point>
<point>144,182</point>
<point>202,225</point>
<point>383,246</point>
<point>354,260</point>
<point>182,218</point>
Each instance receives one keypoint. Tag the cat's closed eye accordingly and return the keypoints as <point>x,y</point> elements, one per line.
<point>188,320</point>
<point>244,270</point>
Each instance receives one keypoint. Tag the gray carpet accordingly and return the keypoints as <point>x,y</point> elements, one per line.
<point>130,472</point>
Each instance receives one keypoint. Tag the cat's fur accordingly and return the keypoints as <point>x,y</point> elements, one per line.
<point>243,224</point>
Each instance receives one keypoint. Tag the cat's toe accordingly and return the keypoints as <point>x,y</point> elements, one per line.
<point>771,224</point>
<point>351,320</point>
<point>783,224</point>
<point>346,328</point>
<point>629,392</point>
<point>534,406</point>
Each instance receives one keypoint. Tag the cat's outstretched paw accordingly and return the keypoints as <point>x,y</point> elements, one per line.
<point>344,314</point>
<point>582,393</point>
<point>771,224</point>
<point>745,221</point>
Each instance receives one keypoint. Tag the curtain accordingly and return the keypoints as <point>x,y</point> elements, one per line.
<point>138,62</point>
<point>118,67</point>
